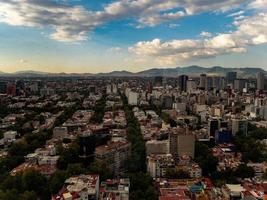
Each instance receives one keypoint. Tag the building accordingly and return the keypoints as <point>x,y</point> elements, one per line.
<point>47,92</point>
<point>3,87</point>
<point>230,77</point>
<point>116,189</point>
<point>182,82</point>
<point>81,187</point>
<point>115,154</point>
<point>10,136</point>
<point>239,84</point>
<point>181,143</point>
<point>60,132</point>
<point>232,191</point>
<point>158,81</point>
<point>239,125</point>
<point>260,80</point>
<point>157,147</point>
<point>167,102</point>
<point>203,81</point>
<point>218,82</point>
<point>11,89</point>
<point>157,165</point>
<point>223,136</point>
<point>191,86</point>
<point>132,98</point>
<point>213,126</point>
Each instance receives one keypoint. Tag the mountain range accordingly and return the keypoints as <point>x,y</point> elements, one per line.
<point>171,72</point>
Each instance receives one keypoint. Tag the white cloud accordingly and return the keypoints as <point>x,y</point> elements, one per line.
<point>205,34</point>
<point>23,61</point>
<point>249,32</point>
<point>173,26</point>
<point>72,23</point>
<point>235,14</point>
<point>258,4</point>
<point>115,49</point>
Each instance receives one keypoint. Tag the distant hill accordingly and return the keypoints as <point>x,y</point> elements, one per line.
<point>171,72</point>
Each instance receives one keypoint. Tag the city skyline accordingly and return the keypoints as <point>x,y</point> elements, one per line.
<point>81,36</point>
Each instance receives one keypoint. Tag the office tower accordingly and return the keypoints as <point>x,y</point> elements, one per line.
<point>157,147</point>
<point>218,82</point>
<point>191,86</point>
<point>20,87</point>
<point>203,81</point>
<point>3,87</point>
<point>239,84</point>
<point>167,102</point>
<point>182,82</point>
<point>133,98</point>
<point>239,125</point>
<point>181,143</point>
<point>11,89</point>
<point>260,80</point>
<point>86,141</point>
<point>230,77</point>
<point>158,81</point>
<point>115,155</point>
<point>209,85</point>
<point>213,126</point>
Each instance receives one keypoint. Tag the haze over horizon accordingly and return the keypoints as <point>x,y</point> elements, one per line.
<point>133,35</point>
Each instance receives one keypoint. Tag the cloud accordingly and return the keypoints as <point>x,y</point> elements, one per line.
<point>72,23</point>
<point>249,32</point>
<point>23,61</point>
<point>205,34</point>
<point>115,49</point>
<point>258,4</point>
<point>173,26</point>
<point>235,14</point>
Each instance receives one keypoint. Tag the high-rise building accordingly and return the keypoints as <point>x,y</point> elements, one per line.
<point>191,86</point>
<point>11,89</point>
<point>213,126</point>
<point>157,147</point>
<point>239,125</point>
<point>158,81</point>
<point>239,84</point>
<point>132,98</point>
<point>182,82</point>
<point>20,87</point>
<point>181,143</point>
<point>203,81</point>
<point>209,83</point>
<point>115,155</point>
<point>167,102</point>
<point>3,87</point>
<point>218,82</point>
<point>230,77</point>
<point>260,81</point>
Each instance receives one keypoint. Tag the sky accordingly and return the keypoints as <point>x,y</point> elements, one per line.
<point>134,35</point>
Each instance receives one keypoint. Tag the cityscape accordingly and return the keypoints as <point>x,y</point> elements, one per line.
<point>201,137</point>
<point>133,100</point>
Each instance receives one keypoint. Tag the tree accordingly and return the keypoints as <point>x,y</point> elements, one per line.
<point>9,194</point>
<point>57,180</point>
<point>99,167</point>
<point>244,171</point>
<point>204,157</point>
<point>34,181</point>
<point>142,187</point>
<point>28,195</point>
<point>68,156</point>
<point>18,149</point>
<point>176,174</point>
